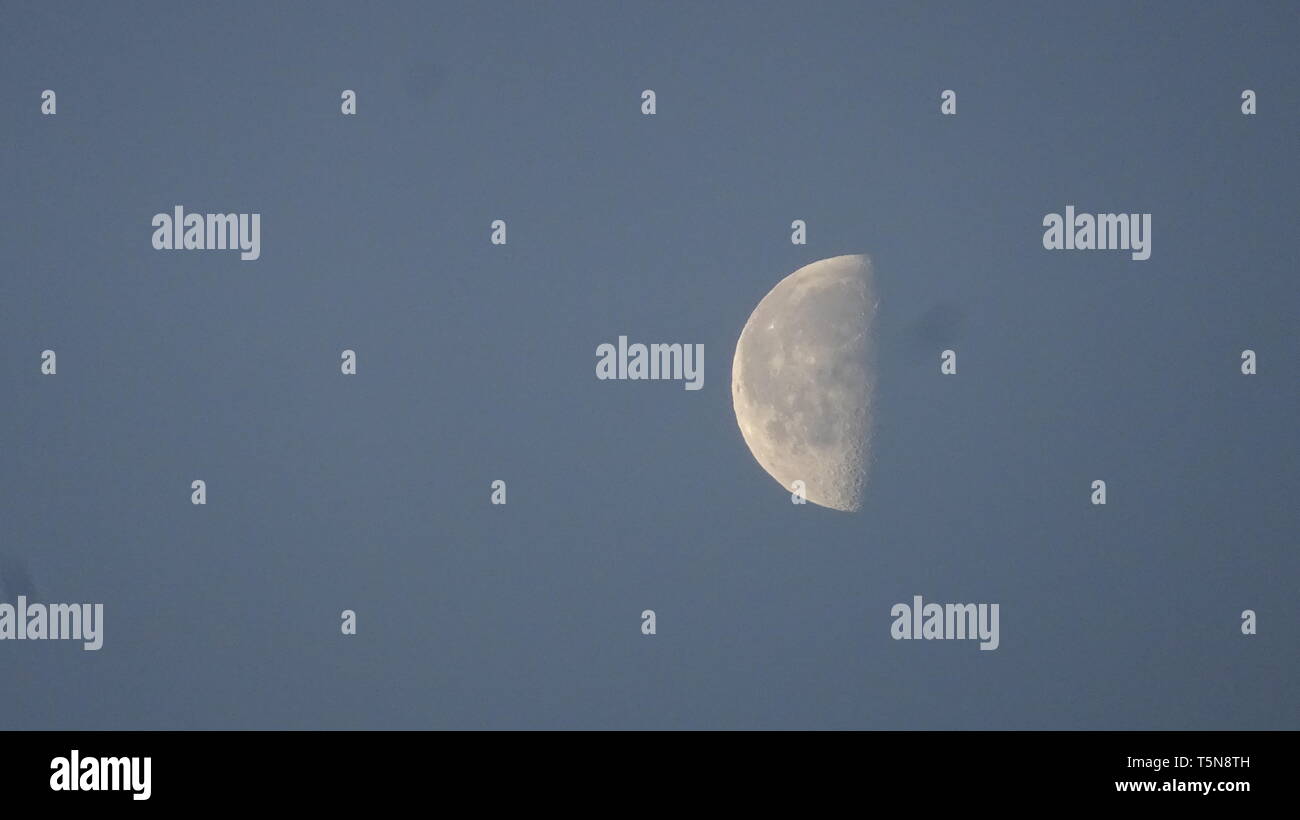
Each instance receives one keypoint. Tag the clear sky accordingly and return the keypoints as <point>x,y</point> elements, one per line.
<point>476,362</point>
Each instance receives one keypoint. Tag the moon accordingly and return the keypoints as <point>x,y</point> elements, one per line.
<point>803,380</point>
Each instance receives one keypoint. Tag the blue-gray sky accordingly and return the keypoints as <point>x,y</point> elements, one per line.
<point>477,362</point>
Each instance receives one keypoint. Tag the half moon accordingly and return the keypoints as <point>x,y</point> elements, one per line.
<point>803,379</point>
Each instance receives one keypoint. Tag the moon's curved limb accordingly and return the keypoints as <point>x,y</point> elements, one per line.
<point>802,380</point>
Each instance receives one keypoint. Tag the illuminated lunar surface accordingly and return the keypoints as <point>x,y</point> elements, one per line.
<point>803,379</point>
